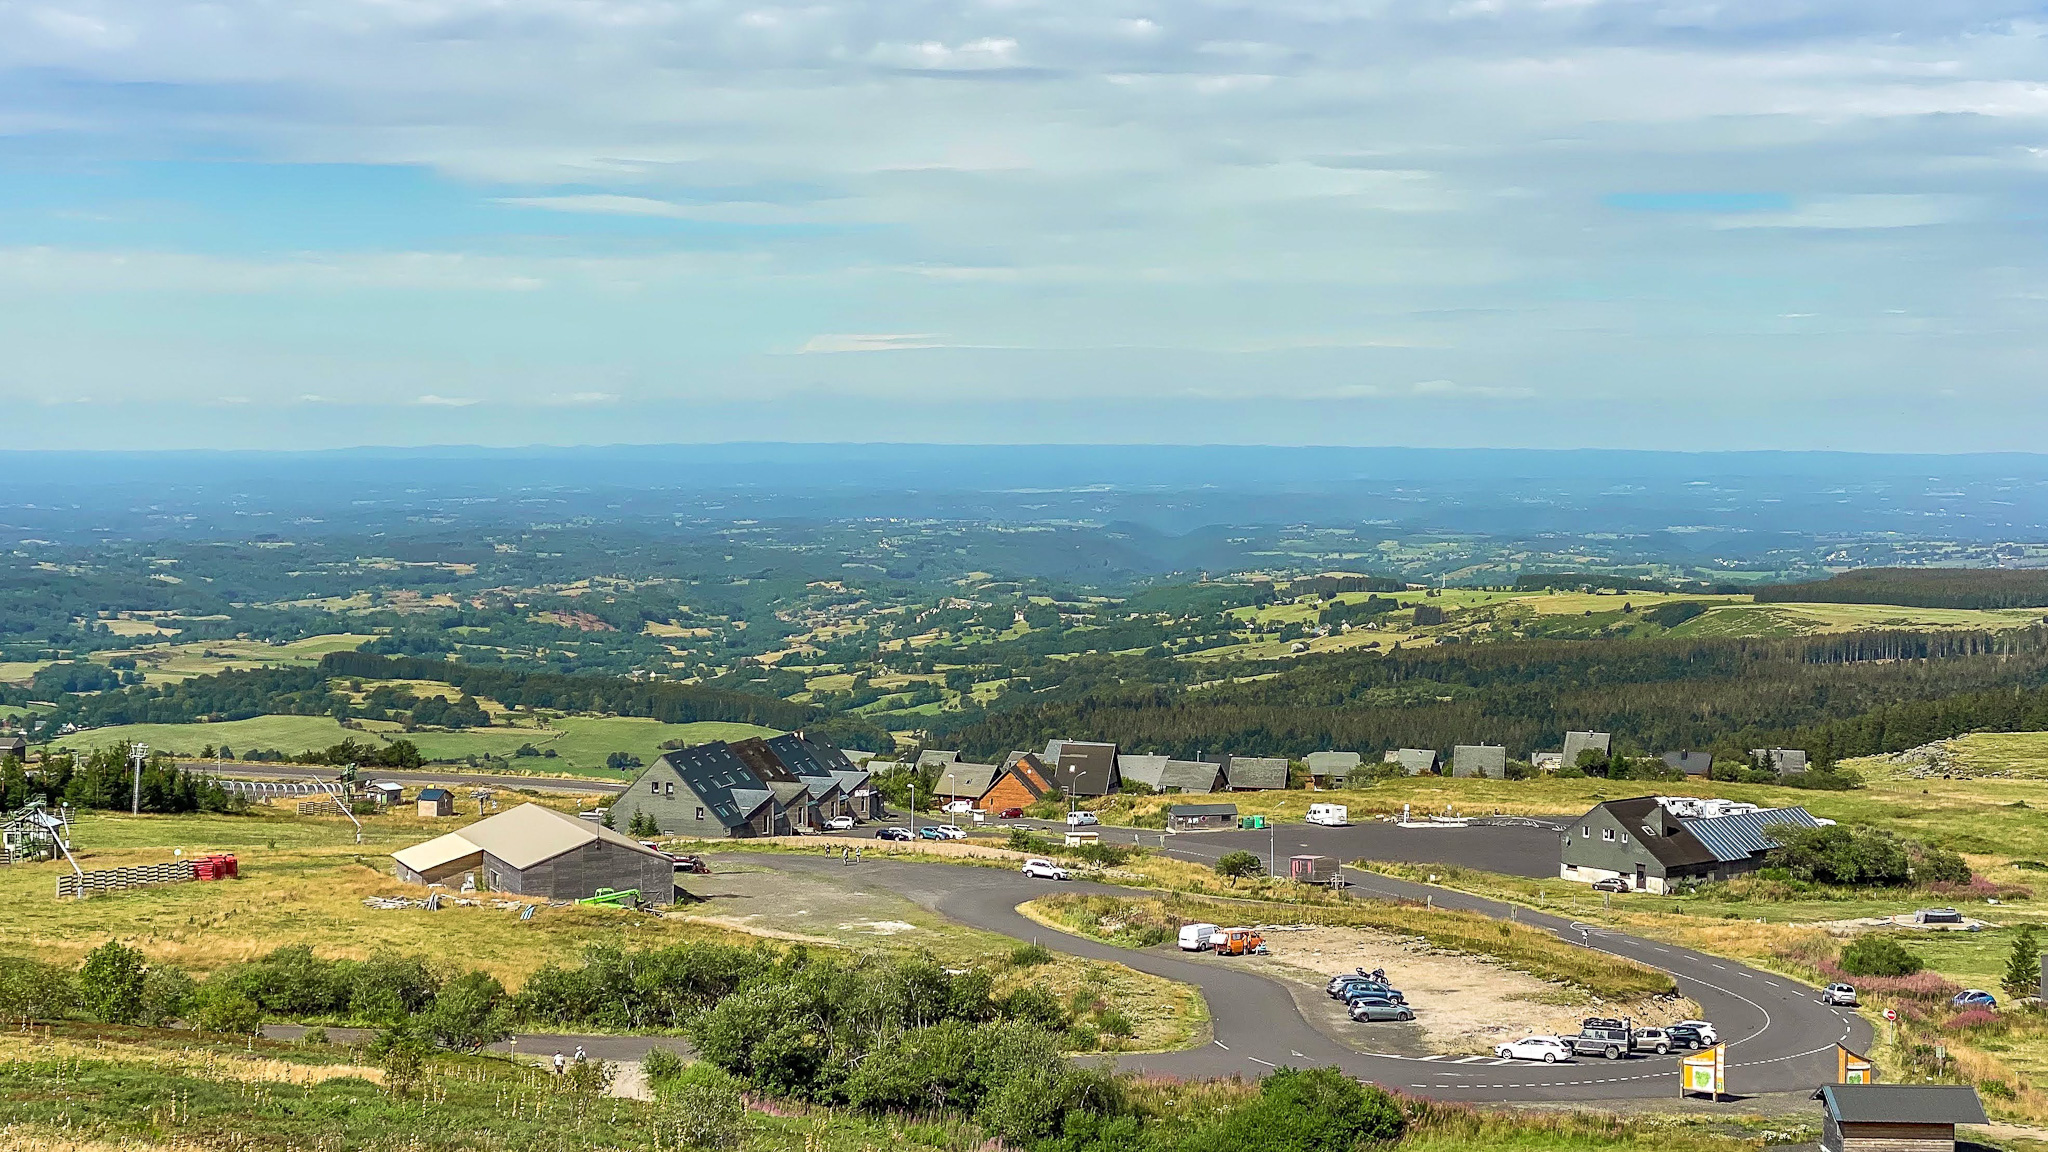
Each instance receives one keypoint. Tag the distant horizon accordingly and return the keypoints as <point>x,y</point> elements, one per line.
<point>1021,446</point>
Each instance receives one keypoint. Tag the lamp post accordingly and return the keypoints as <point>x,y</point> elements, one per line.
<point>137,753</point>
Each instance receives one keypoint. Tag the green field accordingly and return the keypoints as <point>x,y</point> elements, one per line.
<point>581,743</point>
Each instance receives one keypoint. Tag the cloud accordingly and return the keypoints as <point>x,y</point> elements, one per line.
<point>870,342</point>
<point>579,399</point>
<point>432,401</point>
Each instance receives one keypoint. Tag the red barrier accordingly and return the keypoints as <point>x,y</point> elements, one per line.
<point>216,867</point>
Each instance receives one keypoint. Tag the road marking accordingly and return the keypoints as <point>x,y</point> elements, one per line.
<point>1221,1044</point>
<point>1471,1059</point>
<point>1267,1063</point>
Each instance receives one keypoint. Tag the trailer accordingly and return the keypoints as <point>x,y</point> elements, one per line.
<point>1314,869</point>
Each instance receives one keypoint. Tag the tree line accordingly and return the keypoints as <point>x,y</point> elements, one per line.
<point>1983,588</point>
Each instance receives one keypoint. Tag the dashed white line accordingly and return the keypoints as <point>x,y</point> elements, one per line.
<point>1267,1063</point>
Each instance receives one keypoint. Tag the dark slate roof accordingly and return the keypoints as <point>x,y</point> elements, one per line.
<point>719,778</point>
<point>1903,1103</point>
<point>436,794</point>
<point>1662,835</point>
<point>1690,763</point>
<point>1192,776</point>
<point>1741,836</point>
<point>960,778</point>
<point>1179,811</point>
<point>1268,772</point>
<point>761,760</point>
<point>1083,767</point>
<point>810,762</point>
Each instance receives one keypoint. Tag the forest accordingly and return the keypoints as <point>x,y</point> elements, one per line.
<point>1919,588</point>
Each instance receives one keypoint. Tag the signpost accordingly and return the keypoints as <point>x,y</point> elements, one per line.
<point>1851,1068</point>
<point>1891,1025</point>
<point>1704,1072</point>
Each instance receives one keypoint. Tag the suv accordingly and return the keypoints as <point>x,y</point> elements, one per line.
<point>1684,1035</point>
<point>1842,995</point>
<point>839,824</point>
<point>1706,1031</point>
<point>1602,1036</point>
<point>893,833</point>
<point>1368,990</point>
<point>1651,1040</point>
<point>1081,819</point>
<point>1611,884</point>
<point>1043,869</point>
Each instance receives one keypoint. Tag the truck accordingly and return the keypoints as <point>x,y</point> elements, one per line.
<point>1603,1036</point>
<point>1329,815</point>
<point>1238,942</point>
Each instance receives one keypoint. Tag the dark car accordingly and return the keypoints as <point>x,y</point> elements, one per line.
<point>1355,992</point>
<point>1686,1036</point>
<point>691,864</point>
<point>1010,814</point>
<point>892,834</point>
<point>1611,884</point>
<point>1363,1010</point>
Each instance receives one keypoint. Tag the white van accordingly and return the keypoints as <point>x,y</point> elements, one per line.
<point>1329,815</point>
<point>1196,937</point>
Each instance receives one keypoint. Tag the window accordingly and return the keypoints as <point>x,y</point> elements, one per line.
<point>1607,834</point>
<point>671,789</point>
<point>1624,837</point>
<point>1567,840</point>
<point>1586,830</point>
<point>700,813</point>
<point>654,786</point>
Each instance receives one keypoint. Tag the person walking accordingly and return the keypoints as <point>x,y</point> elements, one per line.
<point>580,1056</point>
<point>558,1063</point>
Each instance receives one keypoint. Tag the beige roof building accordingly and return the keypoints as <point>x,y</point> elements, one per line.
<point>538,851</point>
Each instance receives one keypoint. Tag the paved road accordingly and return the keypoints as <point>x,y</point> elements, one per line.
<point>1779,1037</point>
<point>425,776</point>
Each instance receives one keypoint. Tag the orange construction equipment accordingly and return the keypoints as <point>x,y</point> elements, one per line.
<point>1238,941</point>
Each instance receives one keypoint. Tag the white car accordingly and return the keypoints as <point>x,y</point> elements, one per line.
<point>958,807</point>
<point>1081,819</point>
<point>949,832</point>
<point>1548,1049</point>
<point>1843,995</point>
<point>1708,1036</point>
<point>1044,869</point>
<point>839,824</point>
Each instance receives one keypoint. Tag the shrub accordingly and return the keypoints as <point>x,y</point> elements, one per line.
<point>1318,1110</point>
<point>1972,1018</point>
<point>1116,1025</point>
<point>470,1012</point>
<point>222,1007</point>
<point>110,983</point>
<point>1838,854</point>
<point>1029,955</point>
<point>1034,1004</point>
<point>661,1066</point>
<point>33,990</point>
<point>1940,866</point>
<point>166,994</point>
<point>313,1035</point>
<point>401,1051</point>
<point>1875,955</point>
<point>1239,865</point>
<point>706,1115</point>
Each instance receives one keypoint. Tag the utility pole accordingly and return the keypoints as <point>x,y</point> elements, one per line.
<point>137,753</point>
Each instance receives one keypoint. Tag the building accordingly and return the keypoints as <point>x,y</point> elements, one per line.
<point>1577,744</point>
<point>705,790</point>
<point>1779,760</point>
<point>1332,769</point>
<point>1486,761</point>
<point>384,792</point>
<point>1653,844</point>
<point>1255,773</point>
<point>1082,767</point>
<point>1546,761</point>
<point>1700,764</point>
<point>1196,817</point>
<point>815,761</point>
<point>934,758</point>
<point>436,802</point>
<point>1896,1117</point>
<point>1024,780</point>
<point>14,745</point>
<point>803,806</point>
<point>1165,774</point>
<point>960,780</point>
<point>536,851</point>
<point>1416,761</point>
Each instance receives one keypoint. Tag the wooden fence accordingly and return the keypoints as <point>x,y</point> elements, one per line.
<point>321,808</point>
<point>115,879</point>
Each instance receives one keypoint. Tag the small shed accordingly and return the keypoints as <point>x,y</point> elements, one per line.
<point>436,802</point>
<point>1195,817</point>
<point>1487,761</point>
<point>384,791</point>
<point>1896,1117</point>
<point>14,745</point>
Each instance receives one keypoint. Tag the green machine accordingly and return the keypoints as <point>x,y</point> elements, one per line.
<point>620,897</point>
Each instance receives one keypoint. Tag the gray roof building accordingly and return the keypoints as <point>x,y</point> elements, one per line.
<point>704,790</point>
<point>1416,761</point>
<point>1082,767</point>
<point>1335,767</point>
<point>960,780</point>
<point>1255,773</point>
<point>1146,770</point>
<point>536,851</point>
<point>1779,760</point>
<point>1578,742</point>
<point>1896,1117</point>
<point>1165,774</point>
<point>934,758</point>
<point>1479,760</point>
<point>1643,841</point>
<point>1690,763</point>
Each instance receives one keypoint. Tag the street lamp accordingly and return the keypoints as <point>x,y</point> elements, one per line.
<point>137,753</point>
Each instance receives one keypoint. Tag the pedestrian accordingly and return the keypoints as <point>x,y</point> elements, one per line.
<point>580,1056</point>
<point>859,852</point>
<point>843,854</point>
<point>558,1063</point>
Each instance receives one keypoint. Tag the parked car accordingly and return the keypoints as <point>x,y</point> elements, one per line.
<point>1369,989</point>
<point>958,807</point>
<point>1653,1040</point>
<point>929,832</point>
<point>1603,1036</point>
<point>1377,976</point>
<point>1043,869</point>
<point>1364,1010</point>
<point>949,832</point>
<point>1010,814</point>
<point>1611,884</point>
<point>1198,937</point>
<point>1238,942</point>
<point>1974,998</point>
<point>1708,1037</point>
<point>1687,1036</point>
<point>1548,1049</point>
<point>1081,819</point>
<point>839,824</point>
<point>893,834</point>
<point>695,864</point>
<point>1840,994</point>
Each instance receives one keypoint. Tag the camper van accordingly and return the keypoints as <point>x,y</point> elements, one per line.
<point>1329,815</point>
<point>1197,937</point>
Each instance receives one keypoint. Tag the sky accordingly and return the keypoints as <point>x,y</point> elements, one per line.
<point>1500,223</point>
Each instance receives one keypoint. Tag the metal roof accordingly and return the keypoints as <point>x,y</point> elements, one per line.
<point>718,777</point>
<point>1740,836</point>
<point>1181,811</point>
<point>1256,772</point>
<point>521,838</point>
<point>1903,1103</point>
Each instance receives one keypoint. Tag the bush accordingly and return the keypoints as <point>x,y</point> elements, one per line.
<point>1239,865</point>
<point>706,1115</point>
<point>661,1066</point>
<point>222,1007</point>
<point>1875,955</point>
<point>33,990</point>
<point>166,994</point>
<point>1940,866</point>
<point>313,1035</point>
<point>110,983</point>
<point>1838,854</point>
<point>1034,1004</point>
<point>401,1051</point>
<point>1319,1110</point>
<point>1029,955</point>
<point>471,1012</point>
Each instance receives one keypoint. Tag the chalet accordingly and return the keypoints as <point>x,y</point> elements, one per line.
<point>1082,767</point>
<point>1332,769</point>
<point>536,851</point>
<point>815,762</point>
<point>1255,773</point>
<point>959,780</point>
<point>1896,1117</point>
<point>935,758</point>
<point>436,802</point>
<point>1488,761</point>
<point>1700,764</point>
<point>13,745</point>
<point>1165,774</point>
<point>808,803</point>
<point>1779,760</point>
<point>707,791</point>
<point>1656,842</point>
<point>1196,817</point>
<point>1416,761</point>
<point>1577,744</point>
<point>1024,780</point>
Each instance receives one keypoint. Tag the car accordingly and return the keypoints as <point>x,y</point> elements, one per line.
<point>1198,937</point>
<point>1369,991</point>
<point>1329,815</point>
<point>1706,1031</point>
<point>1081,819</point>
<point>893,834</point>
<point>1364,1010</point>
<point>695,864</point>
<point>1010,814</point>
<point>1043,869</point>
<point>1843,995</point>
<point>1548,1049</point>
<point>949,832</point>
<point>1603,1036</point>
<point>1611,884</point>
<point>839,824</point>
<point>929,832</point>
<point>1974,998</point>
<point>958,807</point>
<point>1687,1036</point>
<point>1653,1040</point>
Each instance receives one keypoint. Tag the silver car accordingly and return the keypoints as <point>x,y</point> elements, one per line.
<point>1839,994</point>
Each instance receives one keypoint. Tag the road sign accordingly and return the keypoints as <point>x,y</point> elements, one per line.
<point>1705,1072</point>
<point>1891,1013</point>
<point>1853,1068</point>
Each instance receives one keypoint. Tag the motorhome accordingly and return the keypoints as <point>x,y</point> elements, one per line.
<point>1329,815</point>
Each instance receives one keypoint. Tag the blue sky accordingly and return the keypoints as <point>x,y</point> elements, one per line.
<point>1544,223</point>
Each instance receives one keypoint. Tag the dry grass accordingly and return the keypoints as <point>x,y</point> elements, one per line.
<point>211,1063</point>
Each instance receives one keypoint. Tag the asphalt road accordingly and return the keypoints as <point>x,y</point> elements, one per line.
<point>1780,1038</point>
<point>474,779</point>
